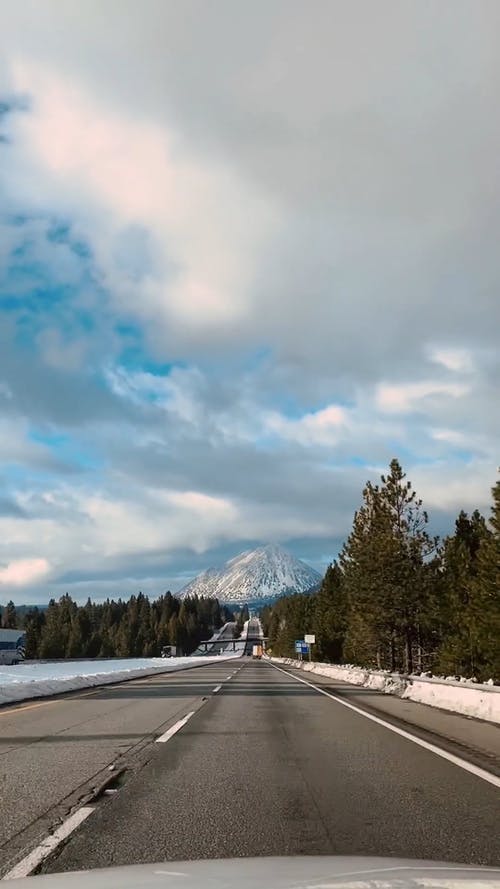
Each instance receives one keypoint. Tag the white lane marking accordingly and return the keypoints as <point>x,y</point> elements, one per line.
<point>456,760</point>
<point>228,677</point>
<point>174,728</point>
<point>27,865</point>
<point>217,688</point>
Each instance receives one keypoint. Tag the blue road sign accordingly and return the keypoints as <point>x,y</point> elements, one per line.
<point>301,647</point>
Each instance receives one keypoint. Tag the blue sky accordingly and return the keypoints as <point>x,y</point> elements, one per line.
<point>247,255</point>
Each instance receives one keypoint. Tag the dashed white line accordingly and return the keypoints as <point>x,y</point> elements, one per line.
<point>217,688</point>
<point>228,677</point>
<point>456,760</point>
<point>174,728</point>
<point>28,864</point>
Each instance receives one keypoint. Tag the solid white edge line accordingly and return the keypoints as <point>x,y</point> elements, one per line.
<point>456,760</point>
<point>174,728</point>
<point>217,688</point>
<point>28,864</point>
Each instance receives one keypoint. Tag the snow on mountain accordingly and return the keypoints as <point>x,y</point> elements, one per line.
<point>257,574</point>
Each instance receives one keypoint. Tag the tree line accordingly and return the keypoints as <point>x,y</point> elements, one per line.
<point>400,599</point>
<point>134,628</point>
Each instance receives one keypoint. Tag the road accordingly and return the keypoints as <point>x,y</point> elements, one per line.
<point>221,641</point>
<point>226,643</point>
<point>266,765</point>
<point>252,635</point>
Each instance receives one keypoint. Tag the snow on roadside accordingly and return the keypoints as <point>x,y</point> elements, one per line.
<point>473,699</point>
<point>42,679</point>
<point>480,701</point>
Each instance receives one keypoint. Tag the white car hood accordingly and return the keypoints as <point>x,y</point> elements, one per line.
<point>307,872</point>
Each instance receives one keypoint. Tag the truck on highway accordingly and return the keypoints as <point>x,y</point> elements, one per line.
<point>257,651</point>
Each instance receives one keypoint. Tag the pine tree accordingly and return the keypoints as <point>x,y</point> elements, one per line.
<point>488,581</point>
<point>106,648</point>
<point>398,599</point>
<point>386,567</point>
<point>410,548</point>
<point>292,617</point>
<point>9,616</point>
<point>463,608</point>
<point>144,639</point>
<point>173,633</point>
<point>74,647</point>
<point>137,628</point>
<point>330,617</point>
<point>33,627</point>
<point>122,638</point>
<point>52,644</point>
<point>371,622</point>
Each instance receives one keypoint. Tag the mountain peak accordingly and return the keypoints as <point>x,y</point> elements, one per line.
<point>263,573</point>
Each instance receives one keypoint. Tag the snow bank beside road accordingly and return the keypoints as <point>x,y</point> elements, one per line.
<point>469,699</point>
<point>41,680</point>
<point>480,701</point>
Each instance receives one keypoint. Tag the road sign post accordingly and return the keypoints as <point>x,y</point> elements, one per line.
<point>310,639</point>
<point>303,647</point>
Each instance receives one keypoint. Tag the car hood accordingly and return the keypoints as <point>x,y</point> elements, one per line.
<point>309,872</point>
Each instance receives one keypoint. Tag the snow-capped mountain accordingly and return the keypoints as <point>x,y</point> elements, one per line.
<point>257,574</point>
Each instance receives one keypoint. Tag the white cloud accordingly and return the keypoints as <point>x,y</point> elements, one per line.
<point>450,487</point>
<point>110,172</point>
<point>23,572</point>
<point>81,532</point>
<point>406,397</point>
<point>323,197</point>
<point>449,436</point>
<point>317,428</point>
<point>179,391</point>
<point>202,505</point>
<point>456,360</point>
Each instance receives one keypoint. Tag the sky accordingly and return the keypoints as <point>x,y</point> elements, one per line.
<point>248,254</point>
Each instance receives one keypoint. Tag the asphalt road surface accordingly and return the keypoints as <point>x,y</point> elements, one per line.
<point>266,765</point>
<point>253,635</point>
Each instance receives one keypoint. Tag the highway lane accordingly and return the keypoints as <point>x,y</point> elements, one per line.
<point>55,751</point>
<point>477,741</point>
<point>270,766</point>
<point>253,634</point>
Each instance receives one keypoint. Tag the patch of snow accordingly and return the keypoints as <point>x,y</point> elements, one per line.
<point>468,697</point>
<point>43,679</point>
<point>480,701</point>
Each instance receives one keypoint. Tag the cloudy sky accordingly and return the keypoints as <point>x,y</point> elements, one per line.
<point>248,253</point>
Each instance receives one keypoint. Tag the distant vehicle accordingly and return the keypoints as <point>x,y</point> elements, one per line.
<point>169,651</point>
<point>257,651</point>
<point>12,647</point>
